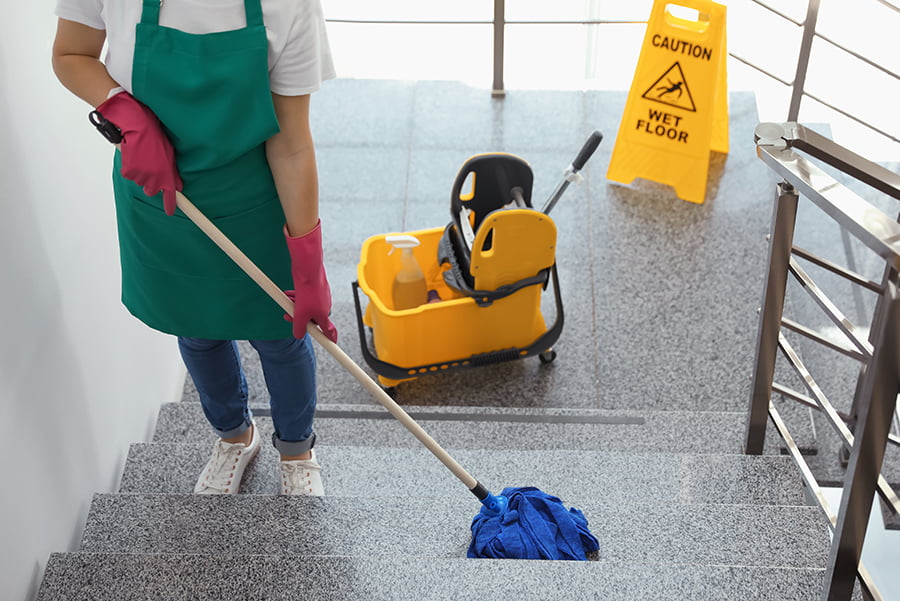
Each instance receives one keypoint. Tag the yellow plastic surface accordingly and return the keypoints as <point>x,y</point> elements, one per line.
<point>677,107</point>
<point>515,244</point>
<point>446,332</point>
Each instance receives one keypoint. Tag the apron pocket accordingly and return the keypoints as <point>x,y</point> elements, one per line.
<point>175,244</point>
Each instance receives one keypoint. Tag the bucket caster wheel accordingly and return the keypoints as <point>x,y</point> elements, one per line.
<point>547,356</point>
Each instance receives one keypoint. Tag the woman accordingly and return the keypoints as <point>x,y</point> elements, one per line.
<point>213,99</point>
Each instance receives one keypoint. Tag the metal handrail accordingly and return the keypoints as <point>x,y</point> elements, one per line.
<point>835,420</point>
<point>798,84</point>
<point>866,430</point>
<point>816,491</point>
<point>491,22</point>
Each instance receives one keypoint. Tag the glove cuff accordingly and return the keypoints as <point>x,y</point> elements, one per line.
<point>306,253</point>
<point>308,246</point>
<point>315,234</point>
<point>110,107</point>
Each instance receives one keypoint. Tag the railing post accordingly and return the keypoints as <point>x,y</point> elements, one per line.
<point>879,398</point>
<point>499,31</point>
<point>809,31</point>
<point>781,240</point>
<point>877,318</point>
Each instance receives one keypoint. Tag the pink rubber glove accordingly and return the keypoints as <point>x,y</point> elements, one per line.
<point>311,293</point>
<point>148,158</point>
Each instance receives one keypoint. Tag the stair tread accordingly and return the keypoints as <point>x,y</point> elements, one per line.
<point>828,467</point>
<point>571,474</point>
<point>638,431</point>
<point>489,410</point>
<point>786,536</point>
<point>117,577</point>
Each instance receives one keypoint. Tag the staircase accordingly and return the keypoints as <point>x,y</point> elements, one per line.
<point>677,512</point>
<point>639,422</point>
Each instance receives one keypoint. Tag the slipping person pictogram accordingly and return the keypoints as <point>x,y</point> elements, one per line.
<point>671,88</point>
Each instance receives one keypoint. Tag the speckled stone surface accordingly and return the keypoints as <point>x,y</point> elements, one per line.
<point>109,577</point>
<point>638,421</point>
<point>745,535</point>
<point>829,469</point>
<point>660,295</point>
<point>636,431</point>
<point>574,475</point>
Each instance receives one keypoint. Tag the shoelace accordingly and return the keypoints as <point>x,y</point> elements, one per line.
<point>296,478</point>
<point>220,472</point>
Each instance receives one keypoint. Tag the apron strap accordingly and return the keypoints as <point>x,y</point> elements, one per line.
<point>150,12</point>
<point>252,8</point>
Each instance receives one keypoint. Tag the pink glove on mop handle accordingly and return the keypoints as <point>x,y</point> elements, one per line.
<point>311,293</point>
<point>148,158</point>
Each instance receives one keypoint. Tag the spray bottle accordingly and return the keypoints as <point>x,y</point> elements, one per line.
<point>408,290</point>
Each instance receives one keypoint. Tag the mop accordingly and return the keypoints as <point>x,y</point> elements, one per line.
<point>520,523</point>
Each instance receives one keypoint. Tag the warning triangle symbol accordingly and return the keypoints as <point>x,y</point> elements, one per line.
<point>672,89</point>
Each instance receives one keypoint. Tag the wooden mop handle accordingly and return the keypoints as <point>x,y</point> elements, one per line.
<point>278,295</point>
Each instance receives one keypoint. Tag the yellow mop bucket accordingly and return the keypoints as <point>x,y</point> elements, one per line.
<point>451,333</point>
<point>485,272</point>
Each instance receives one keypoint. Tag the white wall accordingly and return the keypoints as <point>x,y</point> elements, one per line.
<point>80,379</point>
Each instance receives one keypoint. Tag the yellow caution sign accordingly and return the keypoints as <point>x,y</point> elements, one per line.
<point>677,107</point>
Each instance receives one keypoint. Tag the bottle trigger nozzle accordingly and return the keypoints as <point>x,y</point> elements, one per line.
<point>401,241</point>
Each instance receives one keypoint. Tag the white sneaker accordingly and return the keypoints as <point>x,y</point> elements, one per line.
<point>302,477</point>
<point>225,469</point>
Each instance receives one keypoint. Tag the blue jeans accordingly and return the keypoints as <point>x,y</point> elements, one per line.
<point>289,368</point>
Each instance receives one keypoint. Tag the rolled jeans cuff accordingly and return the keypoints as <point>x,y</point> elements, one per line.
<point>293,447</point>
<point>234,432</point>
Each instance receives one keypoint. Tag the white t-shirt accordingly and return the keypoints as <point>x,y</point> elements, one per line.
<point>299,55</point>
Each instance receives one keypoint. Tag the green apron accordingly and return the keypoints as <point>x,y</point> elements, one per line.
<point>212,94</point>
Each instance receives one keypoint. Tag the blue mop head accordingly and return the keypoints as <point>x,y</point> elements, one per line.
<point>534,525</point>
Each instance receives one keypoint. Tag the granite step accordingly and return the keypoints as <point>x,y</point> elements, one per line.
<point>411,526</point>
<point>828,466</point>
<point>172,468</point>
<point>494,428</point>
<point>126,577</point>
